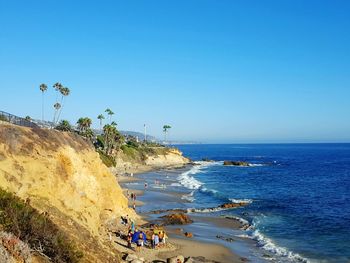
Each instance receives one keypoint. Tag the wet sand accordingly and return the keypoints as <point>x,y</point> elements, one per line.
<point>154,198</point>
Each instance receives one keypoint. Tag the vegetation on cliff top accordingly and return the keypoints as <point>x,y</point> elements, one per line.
<point>36,229</point>
<point>110,141</point>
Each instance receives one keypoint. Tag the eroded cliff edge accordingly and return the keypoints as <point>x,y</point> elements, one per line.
<point>62,175</point>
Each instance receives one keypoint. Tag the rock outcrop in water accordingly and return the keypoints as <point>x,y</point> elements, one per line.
<point>236,163</point>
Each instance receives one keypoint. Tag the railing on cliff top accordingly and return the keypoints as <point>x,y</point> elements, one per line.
<point>4,116</point>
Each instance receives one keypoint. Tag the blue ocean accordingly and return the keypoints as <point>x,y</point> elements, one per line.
<point>297,195</point>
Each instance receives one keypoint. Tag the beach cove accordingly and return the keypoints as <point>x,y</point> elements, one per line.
<point>213,237</point>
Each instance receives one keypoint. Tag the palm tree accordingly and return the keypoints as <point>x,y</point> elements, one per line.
<point>165,130</point>
<point>57,106</point>
<point>101,117</point>
<point>110,113</point>
<point>64,125</point>
<point>111,137</point>
<point>58,87</point>
<point>64,92</point>
<point>43,88</point>
<point>84,124</point>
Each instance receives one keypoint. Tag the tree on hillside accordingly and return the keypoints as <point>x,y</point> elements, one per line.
<point>64,93</point>
<point>166,130</point>
<point>101,118</point>
<point>110,113</point>
<point>28,118</point>
<point>84,124</point>
<point>64,125</point>
<point>112,138</point>
<point>43,89</point>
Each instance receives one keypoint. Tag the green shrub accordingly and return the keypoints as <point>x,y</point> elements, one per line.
<point>64,125</point>
<point>3,118</point>
<point>109,161</point>
<point>36,229</point>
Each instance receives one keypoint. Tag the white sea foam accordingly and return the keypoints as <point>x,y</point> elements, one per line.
<point>239,219</point>
<point>175,184</point>
<point>206,190</point>
<point>237,201</point>
<point>186,179</point>
<point>132,183</point>
<point>256,164</point>
<point>270,246</point>
<point>189,197</point>
<point>205,210</point>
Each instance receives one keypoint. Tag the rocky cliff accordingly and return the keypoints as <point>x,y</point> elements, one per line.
<point>156,158</point>
<point>61,174</point>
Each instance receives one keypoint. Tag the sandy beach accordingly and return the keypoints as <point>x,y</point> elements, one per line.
<point>153,198</point>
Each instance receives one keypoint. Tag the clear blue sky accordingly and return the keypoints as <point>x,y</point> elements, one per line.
<point>216,71</point>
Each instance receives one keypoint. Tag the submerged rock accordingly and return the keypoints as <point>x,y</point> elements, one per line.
<point>232,205</point>
<point>236,163</point>
<point>188,234</point>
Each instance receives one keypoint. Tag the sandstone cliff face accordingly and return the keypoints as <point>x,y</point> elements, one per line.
<point>173,158</point>
<point>60,171</point>
<point>168,158</point>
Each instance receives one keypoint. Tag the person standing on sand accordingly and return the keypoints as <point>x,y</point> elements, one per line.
<point>129,238</point>
<point>165,237</point>
<point>152,238</point>
<point>132,226</point>
<point>140,241</point>
<point>156,240</point>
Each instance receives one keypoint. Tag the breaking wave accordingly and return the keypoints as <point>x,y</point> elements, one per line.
<point>238,201</point>
<point>187,180</point>
<point>268,245</point>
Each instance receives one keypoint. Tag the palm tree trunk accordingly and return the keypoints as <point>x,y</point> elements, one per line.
<point>42,107</point>
<point>60,110</point>
<point>54,118</point>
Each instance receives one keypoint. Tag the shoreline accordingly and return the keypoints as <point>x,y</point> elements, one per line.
<point>188,247</point>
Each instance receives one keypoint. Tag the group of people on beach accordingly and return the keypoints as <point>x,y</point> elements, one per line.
<point>157,237</point>
<point>133,198</point>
